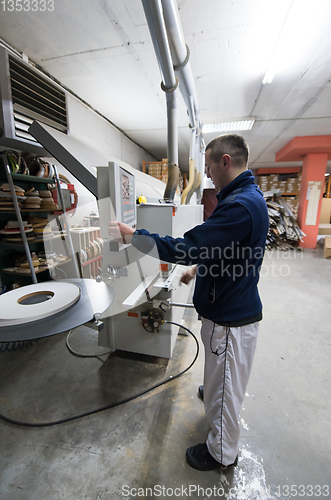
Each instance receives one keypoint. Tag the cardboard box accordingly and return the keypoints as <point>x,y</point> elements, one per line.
<point>264,182</point>
<point>325,217</point>
<point>291,187</point>
<point>327,247</point>
<point>324,229</point>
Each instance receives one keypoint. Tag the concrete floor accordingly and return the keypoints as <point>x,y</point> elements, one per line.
<point>137,450</point>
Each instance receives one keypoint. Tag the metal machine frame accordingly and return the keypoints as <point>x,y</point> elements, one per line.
<point>134,321</point>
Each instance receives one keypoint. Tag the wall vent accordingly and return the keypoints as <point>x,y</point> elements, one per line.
<point>26,95</point>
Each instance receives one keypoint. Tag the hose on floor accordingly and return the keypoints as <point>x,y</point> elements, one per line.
<point>112,405</point>
<point>17,346</point>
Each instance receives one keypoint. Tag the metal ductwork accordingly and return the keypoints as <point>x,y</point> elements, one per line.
<point>154,16</point>
<point>173,56</point>
<point>180,55</point>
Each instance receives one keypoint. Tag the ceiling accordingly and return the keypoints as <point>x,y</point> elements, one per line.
<point>102,51</point>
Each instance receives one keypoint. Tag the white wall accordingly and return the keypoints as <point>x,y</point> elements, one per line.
<point>96,132</point>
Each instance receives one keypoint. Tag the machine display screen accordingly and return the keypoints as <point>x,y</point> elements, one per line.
<point>128,202</point>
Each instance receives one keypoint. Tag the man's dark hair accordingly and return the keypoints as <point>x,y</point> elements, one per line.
<point>231,144</point>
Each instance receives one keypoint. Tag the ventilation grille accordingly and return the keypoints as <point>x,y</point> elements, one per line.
<point>22,124</point>
<point>36,98</point>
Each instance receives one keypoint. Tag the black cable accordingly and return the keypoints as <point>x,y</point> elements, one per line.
<point>145,328</point>
<point>81,355</point>
<point>227,332</point>
<point>165,304</point>
<point>112,405</point>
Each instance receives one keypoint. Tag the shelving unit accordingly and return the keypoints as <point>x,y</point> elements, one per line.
<point>286,180</point>
<point>26,244</point>
<point>35,240</point>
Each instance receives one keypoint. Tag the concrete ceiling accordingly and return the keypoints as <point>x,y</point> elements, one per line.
<point>102,51</point>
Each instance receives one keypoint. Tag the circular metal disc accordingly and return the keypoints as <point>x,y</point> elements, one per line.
<point>95,298</point>
<point>35,302</point>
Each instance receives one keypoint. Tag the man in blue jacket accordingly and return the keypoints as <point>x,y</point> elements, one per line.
<point>227,252</point>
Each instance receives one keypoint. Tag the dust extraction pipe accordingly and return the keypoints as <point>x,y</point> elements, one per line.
<point>173,56</point>
<point>154,16</point>
<point>180,56</point>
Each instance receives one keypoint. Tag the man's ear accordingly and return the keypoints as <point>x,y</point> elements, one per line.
<point>226,161</point>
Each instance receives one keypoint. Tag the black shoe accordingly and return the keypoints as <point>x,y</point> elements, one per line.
<point>200,392</point>
<point>199,458</point>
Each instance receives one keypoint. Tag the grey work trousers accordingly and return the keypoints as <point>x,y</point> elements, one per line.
<point>226,376</point>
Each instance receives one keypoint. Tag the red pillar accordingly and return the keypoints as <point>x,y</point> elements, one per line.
<point>314,151</point>
<point>313,176</point>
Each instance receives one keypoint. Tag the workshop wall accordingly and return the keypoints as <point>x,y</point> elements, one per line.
<point>90,128</point>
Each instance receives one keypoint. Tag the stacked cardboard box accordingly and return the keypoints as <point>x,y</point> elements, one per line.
<point>156,169</point>
<point>273,182</point>
<point>282,186</point>
<point>291,185</point>
<point>264,182</point>
<point>159,169</point>
<point>327,247</point>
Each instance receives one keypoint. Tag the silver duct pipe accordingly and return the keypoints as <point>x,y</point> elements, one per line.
<point>180,56</point>
<point>154,16</point>
<point>173,169</point>
<point>173,57</point>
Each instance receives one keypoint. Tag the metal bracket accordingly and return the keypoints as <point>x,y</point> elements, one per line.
<point>186,60</point>
<point>96,324</point>
<point>172,89</point>
<point>117,271</point>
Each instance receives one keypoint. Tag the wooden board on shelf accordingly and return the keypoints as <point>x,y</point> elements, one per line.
<point>33,178</point>
<point>39,269</point>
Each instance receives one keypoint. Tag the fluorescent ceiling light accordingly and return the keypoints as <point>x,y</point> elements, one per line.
<point>273,64</point>
<point>270,73</point>
<point>299,37</point>
<point>230,126</point>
